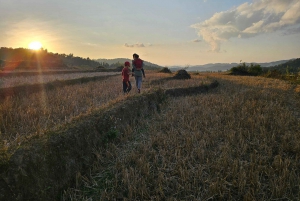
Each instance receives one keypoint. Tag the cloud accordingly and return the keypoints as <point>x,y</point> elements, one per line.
<point>90,44</point>
<point>294,30</point>
<point>196,40</point>
<point>134,45</point>
<point>249,20</point>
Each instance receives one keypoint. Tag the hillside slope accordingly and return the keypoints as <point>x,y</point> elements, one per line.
<point>224,66</point>
<point>122,60</point>
<point>291,66</point>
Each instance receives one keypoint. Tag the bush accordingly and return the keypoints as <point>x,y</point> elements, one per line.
<point>255,69</point>
<point>273,74</point>
<point>291,77</point>
<point>243,69</point>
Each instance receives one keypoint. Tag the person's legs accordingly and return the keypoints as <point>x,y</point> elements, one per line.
<point>136,81</point>
<point>139,83</point>
<point>129,87</point>
<point>124,87</point>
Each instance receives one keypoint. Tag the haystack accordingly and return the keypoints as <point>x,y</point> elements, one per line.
<point>182,74</point>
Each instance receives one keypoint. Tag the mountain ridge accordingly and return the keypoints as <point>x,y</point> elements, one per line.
<point>225,66</point>
<point>122,60</point>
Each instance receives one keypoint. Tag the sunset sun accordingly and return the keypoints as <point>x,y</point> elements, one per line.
<point>35,45</point>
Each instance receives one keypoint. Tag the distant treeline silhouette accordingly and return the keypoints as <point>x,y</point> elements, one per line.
<point>22,58</point>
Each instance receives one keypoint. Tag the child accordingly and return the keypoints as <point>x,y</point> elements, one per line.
<point>125,75</point>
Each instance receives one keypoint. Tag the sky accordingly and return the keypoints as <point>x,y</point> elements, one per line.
<point>164,32</point>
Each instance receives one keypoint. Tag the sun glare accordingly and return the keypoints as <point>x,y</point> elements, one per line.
<point>35,45</point>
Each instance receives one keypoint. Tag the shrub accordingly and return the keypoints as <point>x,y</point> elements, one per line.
<point>243,69</point>
<point>273,74</point>
<point>255,69</point>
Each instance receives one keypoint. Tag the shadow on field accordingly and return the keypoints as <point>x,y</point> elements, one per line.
<point>176,92</point>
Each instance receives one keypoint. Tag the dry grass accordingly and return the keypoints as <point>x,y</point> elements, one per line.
<point>38,112</point>
<point>241,142</point>
<point>22,80</point>
<point>27,116</point>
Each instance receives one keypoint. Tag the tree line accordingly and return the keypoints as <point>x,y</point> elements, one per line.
<point>27,59</point>
<point>22,58</point>
<point>289,70</point>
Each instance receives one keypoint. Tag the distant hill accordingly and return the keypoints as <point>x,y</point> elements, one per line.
<point>207,67</point>
<point>121,61</point>
<point>113,61</point>
<point>291,66</point>
<point>223,66</point>
<point>274,63</point>
<point>26,59</point>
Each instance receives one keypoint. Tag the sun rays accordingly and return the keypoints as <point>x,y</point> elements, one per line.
<point>35,45</point>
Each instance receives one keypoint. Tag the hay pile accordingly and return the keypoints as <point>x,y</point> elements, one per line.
<point>182,74</point>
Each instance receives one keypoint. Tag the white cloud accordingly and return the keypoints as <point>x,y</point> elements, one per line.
<point>249,20</point>
<point>134,45</point>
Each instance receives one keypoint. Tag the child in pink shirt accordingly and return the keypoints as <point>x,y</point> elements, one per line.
<point>125,74</point>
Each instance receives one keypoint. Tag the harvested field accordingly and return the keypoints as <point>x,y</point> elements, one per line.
<point>43,72</point>
<point>41,79</point>
<point>33,114</point>
<point>240,142</point>
<point>54,157</point>
<point>211,137</point>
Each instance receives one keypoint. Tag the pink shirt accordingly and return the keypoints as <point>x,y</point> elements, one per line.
<point>125,75</point>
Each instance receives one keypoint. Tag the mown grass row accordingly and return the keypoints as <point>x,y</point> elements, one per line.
<point>51,106</point>
<point>42,78</point>
<point>45,164</point>
<point>241,142</point>
<point>26,114</point>
<point>28,89</point>
<point>37,73</point>
<point>40,168</point>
